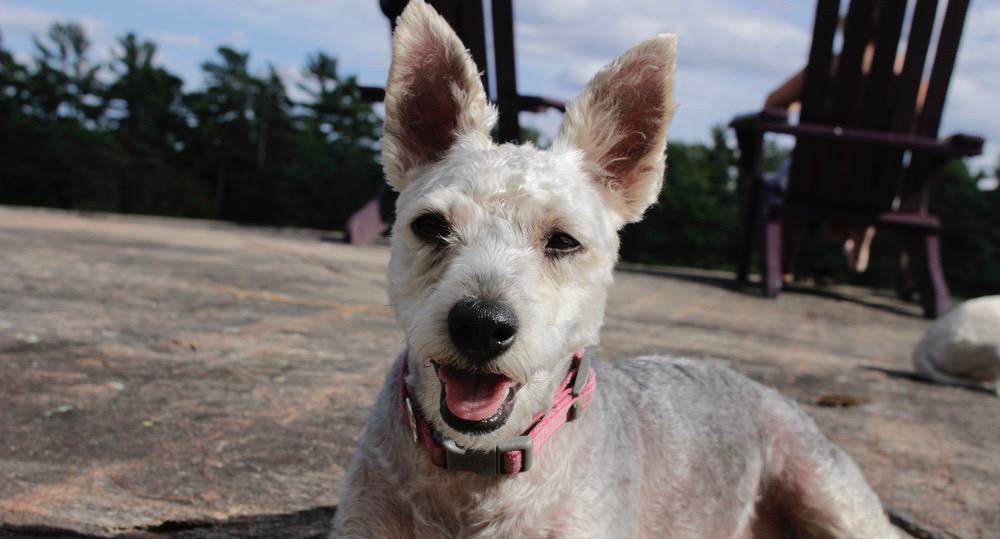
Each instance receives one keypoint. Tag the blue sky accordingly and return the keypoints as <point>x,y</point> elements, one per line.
<point>732,53</point>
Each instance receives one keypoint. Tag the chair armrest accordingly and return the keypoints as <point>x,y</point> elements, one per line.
<point>372,94</point>
<point>755,119</point>
<point>530,103</point>
<point>901,141</point>
<point>775,120</point>
<point>534,103</point>
<point>965,145</point>
<point>750,139</point>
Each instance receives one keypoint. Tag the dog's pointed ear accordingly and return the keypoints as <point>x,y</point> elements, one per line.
<point>433,96</point>
<point>620,123</point>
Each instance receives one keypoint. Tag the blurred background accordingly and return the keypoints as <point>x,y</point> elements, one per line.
<point>251,112</point>
<point>213,366</point>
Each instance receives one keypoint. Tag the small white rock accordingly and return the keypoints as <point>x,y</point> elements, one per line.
<point>963,346</point>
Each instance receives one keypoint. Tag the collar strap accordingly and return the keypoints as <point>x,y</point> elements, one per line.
<point>513,455</point>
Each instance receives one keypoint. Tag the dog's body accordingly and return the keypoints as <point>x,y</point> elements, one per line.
<point>670,448</point>
<point>501,258</point>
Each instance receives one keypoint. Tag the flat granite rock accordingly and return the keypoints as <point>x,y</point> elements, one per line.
<point>178,378</point>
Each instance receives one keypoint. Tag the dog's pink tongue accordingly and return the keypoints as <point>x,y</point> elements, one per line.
<point>473,396</point>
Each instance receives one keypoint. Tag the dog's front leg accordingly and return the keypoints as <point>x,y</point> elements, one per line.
<point>367,509</point>
<point>370,502</point>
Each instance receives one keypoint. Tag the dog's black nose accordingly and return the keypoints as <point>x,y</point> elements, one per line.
<point>482,330</point>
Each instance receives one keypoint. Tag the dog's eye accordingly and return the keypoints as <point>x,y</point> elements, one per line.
<point>561,243</point>
<point>432,228</point>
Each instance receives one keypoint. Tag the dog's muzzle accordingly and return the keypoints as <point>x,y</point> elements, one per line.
<point>516,454</point>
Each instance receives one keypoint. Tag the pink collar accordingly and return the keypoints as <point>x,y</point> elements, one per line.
<point>515,454</point>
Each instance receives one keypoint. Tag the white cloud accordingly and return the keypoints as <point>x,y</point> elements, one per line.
<point>732,52</point>
<point>983,22</point>
<point>355,32</point>
<point>579,72</point>
<point>294,79</point>
<point>25,19</point>
<point>988,163</point>
<point>560,45</point>
<point>972,108</point>
<point>237,38</point>
<point>25,23</point>
<point>180,40</point>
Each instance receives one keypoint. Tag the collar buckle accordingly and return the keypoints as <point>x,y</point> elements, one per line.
<point>488,462</point>
<point>579,384</point>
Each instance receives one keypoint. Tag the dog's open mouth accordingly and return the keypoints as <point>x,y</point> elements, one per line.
<point>475,401</point>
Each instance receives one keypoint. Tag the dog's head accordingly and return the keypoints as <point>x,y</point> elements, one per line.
<point>502,254</point>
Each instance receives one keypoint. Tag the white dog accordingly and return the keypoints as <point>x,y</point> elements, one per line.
<point>963,347</point>
<point>501,260</point>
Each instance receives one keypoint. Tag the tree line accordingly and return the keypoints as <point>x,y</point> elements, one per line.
<point>125,136</point>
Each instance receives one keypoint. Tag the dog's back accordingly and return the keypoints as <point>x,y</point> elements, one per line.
<point>718,453</point>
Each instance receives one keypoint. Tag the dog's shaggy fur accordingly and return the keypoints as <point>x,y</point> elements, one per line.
<point>669,447</point>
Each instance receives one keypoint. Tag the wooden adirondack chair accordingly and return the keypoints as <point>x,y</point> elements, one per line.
<point>466,17</point>
<point>865,151</point>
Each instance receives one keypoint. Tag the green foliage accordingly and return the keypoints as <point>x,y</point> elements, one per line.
<point>125,136</point>
<point>970,232</point>
<point>695,221</point>
<point>970,242</point>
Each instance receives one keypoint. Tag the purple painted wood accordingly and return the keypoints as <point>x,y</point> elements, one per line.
<point>752,159</point>
<point>860,116</point>
<point>925,253</point>
<point>372,94</point>
<point>860,190</point>
<point>848,77</point>
<point>472,30</point>
<point>771,278</point>
<point>466,17</point>
<point>915,192</point>
<point>879,138</point>
<point>886,219</point>
<point>807,160</point>
<point>944,63</point>
<point>907,88</point>
<point>508,126</point>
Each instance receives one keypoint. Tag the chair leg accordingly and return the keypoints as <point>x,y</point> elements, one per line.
<point>770,274</point>
<point>747,239</point>
<point>906,283</point>
<point>925,262</point>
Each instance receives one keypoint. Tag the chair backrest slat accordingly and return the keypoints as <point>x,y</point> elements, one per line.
<point>914,192</point>
<point>863,86</point>
<point>862,191</point>
<point>506,75</point>
<point>816,90</point>
<point>848,78</point>
<point>907,88</point>
<point>474,36</point>
<point>944,62</point>
<point>466,18</point>
<point>806,169</point>
<point>908,82</point>
<point>849,65</point>
<point>877,84</point>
